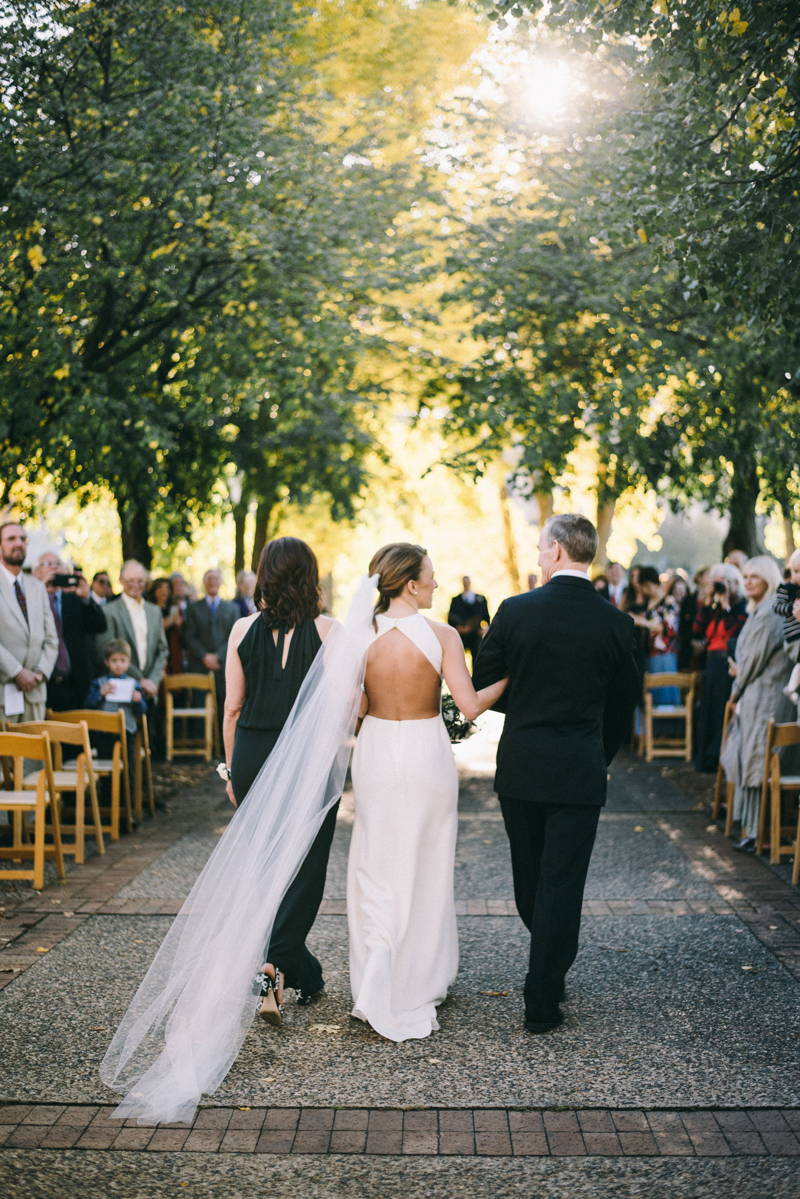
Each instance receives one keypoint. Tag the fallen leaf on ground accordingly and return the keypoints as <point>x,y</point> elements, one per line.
<point>748,967</point>
<point>639,829</point>
<point>492,992</point>
<point>41,949</point>
<point>435,1061</point>
<point>325,1028</point>
<point>68,913</point>
<point>138,942</point>
<point>243,1109</point>
<point>99,1028</point>
<point>266,1080</point>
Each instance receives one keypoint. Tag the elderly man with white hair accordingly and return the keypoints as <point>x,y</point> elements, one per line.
<point>720,617</point>
<point>131,618</point>
<point>761,671</point>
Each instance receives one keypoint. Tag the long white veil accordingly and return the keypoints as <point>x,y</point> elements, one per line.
<point>185,1026</point>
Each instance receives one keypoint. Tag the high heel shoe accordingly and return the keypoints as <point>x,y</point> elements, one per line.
<point>270,993</point>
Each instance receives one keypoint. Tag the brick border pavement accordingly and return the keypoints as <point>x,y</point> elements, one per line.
<point>436,1132</point>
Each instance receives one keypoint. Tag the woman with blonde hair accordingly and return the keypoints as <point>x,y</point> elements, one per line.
<point>400,896</point>
<point>760,672</point>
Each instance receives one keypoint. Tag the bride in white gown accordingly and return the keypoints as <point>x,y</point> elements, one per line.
<point>400,901</point>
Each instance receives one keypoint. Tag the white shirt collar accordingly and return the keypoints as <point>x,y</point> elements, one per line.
<point>12,578</point>
<point>468,596</point>
<point>138,603</point>
<point>571,574</point>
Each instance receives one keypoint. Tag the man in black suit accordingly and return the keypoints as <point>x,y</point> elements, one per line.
<point>78,620</point>
<point>207,627</point>
<point>469,614</point>
<point>573,685</point>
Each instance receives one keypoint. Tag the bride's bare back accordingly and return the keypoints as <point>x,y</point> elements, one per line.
<point>400,682</point>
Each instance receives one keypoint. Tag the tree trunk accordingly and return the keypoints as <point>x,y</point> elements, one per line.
<point>263,512</point>
<point>742,530</point>
<point>239,518</point>
<point>788,530</point>
<point>134,522</point>
<point>605,515</point>
<point>512,566</point>
<point>545,501</point>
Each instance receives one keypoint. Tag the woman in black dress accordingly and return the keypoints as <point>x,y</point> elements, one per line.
<point>269,655</point>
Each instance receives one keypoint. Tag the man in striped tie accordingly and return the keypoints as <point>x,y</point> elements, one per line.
<point>28,639</point>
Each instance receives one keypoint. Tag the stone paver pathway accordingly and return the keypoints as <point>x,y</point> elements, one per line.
<point>679,1043</point>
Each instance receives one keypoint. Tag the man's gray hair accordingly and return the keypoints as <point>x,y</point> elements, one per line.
<point>577,535</point>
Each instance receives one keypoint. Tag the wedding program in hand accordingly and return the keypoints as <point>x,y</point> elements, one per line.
<point>559,661</point>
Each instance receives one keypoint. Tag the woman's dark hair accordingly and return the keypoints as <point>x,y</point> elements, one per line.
<point>397,564</point>
<point>287,582</point>
<point>648,574</point>
<point>153,588</point>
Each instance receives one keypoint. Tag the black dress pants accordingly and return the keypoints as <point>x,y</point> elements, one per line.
<point>299,906</point>
<point>551,845</point>
<point>287,948</point>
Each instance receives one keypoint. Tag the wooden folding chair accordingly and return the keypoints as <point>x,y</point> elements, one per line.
<point>115,767</point>
<point>192,746</point>
<point>730,787</point>
<point>77,776</point>
<point>20,802</point>
<point>669,747</point>
<point>141,757</point>
<point>774,784</point>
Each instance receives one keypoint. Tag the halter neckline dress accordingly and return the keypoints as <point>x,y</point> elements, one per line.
<point>400,898</point>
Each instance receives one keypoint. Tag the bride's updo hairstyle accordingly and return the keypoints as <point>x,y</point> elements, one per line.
<point>287,583</point>
<point>397,564</point>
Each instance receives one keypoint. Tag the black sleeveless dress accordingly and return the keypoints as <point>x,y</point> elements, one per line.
<point>270,692</point>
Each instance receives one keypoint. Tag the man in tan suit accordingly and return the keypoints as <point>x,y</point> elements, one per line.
<point>28,639</point>
<point>131,618</point>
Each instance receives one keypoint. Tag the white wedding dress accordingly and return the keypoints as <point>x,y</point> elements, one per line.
<point>400,903</point>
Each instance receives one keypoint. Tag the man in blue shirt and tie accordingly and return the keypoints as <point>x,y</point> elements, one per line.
<point>208,623</point>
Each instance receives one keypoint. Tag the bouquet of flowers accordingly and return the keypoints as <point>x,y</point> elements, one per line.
<point>458,729</point>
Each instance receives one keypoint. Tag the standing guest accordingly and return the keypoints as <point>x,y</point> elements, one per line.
<point>117,663</point>
<point>208,626</point>
<point>131,618</point>
<point>678,591</point>
<point>533,579</point>
<point>180,597</point>
<point>28,640</point>
<point>601,586</point>
<point>160,594</point>
<point>616,583</point>
<point>469,616</point>
<point>633,599</point>
<point>78,621</point>
<point>737,558</point>
<point>688,615</point>
<point>661,622</point>
<point>721,614</point>
<point>245,587</point>
<point>786,597</point>
<point>102,591</point>
<point>269,656</point>
<point>760,673</point>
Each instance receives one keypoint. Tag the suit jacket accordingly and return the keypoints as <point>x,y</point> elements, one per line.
<point>80,624</point>
<point>461,612</point>
<point>204,633</point>
<point>570,657</point>
<point>118,625</point>
<point>33,645</point>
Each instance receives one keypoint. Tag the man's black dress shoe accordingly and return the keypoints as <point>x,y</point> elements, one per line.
<point>545,1025</point>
